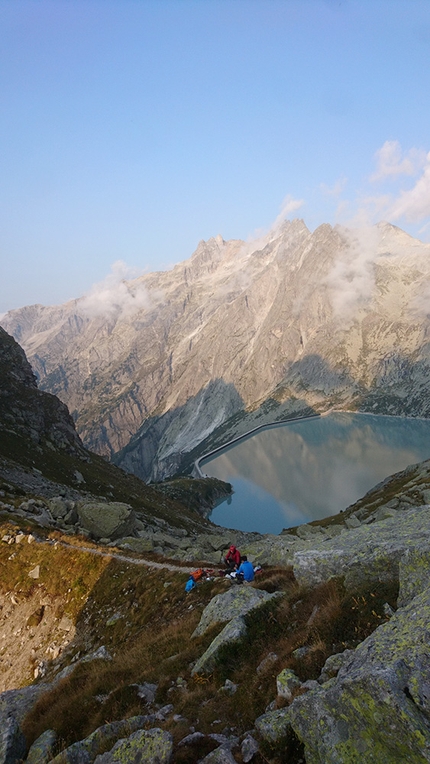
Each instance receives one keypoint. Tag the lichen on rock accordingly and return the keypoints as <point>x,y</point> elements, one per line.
<point>378,707</point>
<point>237,601</point>
<point>152,746</point>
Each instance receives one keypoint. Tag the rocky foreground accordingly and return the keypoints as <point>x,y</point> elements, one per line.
<point>324,659</point>
<point>361,697</point>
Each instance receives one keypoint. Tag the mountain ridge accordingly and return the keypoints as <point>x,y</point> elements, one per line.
<point>293,322</point>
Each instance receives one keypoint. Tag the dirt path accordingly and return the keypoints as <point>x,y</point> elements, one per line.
<point>123,558</point>
<point>32,629</point>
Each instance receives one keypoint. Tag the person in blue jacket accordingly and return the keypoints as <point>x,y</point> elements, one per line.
<point>245,570</point>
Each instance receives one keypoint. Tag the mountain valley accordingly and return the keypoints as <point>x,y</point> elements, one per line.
<point>177,362</point>
<point>104,656</point>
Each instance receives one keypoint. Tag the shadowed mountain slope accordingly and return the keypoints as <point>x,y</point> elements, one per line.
<point>41,454</point>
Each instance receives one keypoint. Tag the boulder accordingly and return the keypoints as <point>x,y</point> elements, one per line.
<point>18,703</point>
<point>274,550</point>
<point>286,683</point>
<point>214,542</point>
<point>12,742</point>
<point>59,507</point>
<point>366,554</point>
<point>333,665</point>
<point>152,746</point>
<point>221,755</point>
<point>42,749</point>
<point>233,632</point>
<point>249,748</point>
<point>104,737</point>
<point>106,519</point>
<point>237,601</point>
<point>167,540</point>
<point>414,570</point>
<point>378,707</point>
<point>274,726</point>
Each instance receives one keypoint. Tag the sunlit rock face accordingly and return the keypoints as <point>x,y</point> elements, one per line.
<point>238,334</point>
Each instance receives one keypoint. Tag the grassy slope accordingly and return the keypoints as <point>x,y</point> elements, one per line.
<point>145,619</point>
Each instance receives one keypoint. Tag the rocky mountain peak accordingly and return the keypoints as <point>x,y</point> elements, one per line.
<point>302,319</point>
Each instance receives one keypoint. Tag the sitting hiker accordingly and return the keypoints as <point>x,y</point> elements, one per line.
<point>232,558</point>
<point>246,570</point>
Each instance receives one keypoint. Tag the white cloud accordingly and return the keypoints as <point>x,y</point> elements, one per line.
<point>391,161</point>
<point>289,205</point>
<point>335,190</point>
<point>406,197</point>
<point>116,296</point>
<point>352,280</point>
<point>413,204</point>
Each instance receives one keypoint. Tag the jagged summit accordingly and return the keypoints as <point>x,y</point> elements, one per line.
<point>293,321</point>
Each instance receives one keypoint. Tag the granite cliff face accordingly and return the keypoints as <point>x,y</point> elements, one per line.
<point>296,322</point>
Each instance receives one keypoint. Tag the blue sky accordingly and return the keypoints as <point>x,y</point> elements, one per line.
<point>131,129</point>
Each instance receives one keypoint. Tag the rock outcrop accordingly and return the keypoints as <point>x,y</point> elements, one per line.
<point>106,519</point>
<point>237,601</point>
<point>25,410</point>
<point>377,707</point>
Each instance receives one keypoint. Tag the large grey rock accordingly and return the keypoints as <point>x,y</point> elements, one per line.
<point>168,540</point>
<point>12,742</point>
<point>333,665</point>
<point>234,631</point>
<point>42,749</point>
<point>106,519</point>
<point>59,507</point>
<point>237,601</point>
<point>286,683</point>
<point>18,703</point>
<point>414,572</point>
<point>106,736</point>
<point>274,726</point>
<point>249,748</point>
<point>152,746</point>
<point>366,554</point>
<point>221,755</point>
<point>215,542</point>
<point>378,707</point>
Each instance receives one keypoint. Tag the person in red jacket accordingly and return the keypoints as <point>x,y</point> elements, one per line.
<point>232,558</point>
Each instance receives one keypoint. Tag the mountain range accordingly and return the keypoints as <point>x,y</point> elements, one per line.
<point>157,370</point>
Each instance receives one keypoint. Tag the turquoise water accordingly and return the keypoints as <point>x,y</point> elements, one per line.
<point>295,473</point>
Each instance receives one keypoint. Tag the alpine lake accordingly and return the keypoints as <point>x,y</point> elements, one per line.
<point>292,473</point>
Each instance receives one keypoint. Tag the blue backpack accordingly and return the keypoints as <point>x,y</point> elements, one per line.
<point>190,584</point>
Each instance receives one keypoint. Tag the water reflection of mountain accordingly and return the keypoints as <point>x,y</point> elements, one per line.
<point>317,467</point>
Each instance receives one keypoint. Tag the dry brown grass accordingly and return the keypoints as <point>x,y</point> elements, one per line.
<point>150,642</point>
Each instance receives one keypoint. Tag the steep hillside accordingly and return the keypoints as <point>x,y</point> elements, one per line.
<point>296,322</point>
<point>105,657</point>
<point>41,455</point>
<point>315,662</point>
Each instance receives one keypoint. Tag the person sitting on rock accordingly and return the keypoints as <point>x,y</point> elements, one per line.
<point>246,570</point>
<point>232,558</point>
